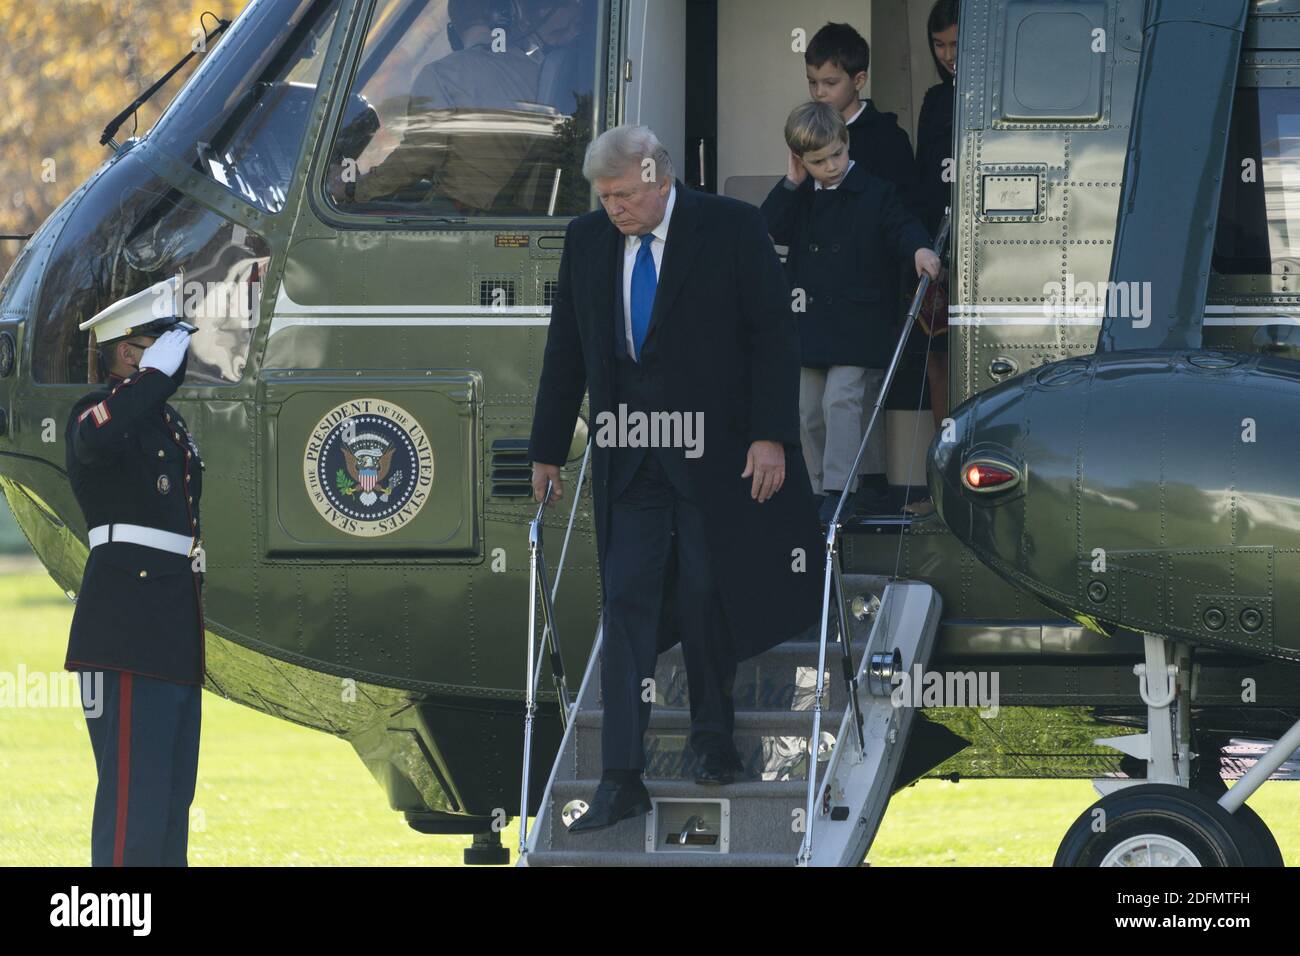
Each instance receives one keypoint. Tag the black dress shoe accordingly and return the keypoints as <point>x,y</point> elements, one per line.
<point>612,803</point>
<point>717,769</point>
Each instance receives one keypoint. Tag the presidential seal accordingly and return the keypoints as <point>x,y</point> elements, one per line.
<point>368,467</point>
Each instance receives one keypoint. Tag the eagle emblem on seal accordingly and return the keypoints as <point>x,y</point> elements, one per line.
<point>368,459</point>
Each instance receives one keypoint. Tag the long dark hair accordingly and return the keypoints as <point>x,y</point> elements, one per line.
<point>943,15</point>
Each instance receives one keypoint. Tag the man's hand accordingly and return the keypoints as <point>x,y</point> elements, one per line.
<point>795,170</point>
<point>543,473</point>
<point>928,262</point>
<point>766,462</point>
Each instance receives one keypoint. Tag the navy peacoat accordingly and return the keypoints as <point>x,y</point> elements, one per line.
<point>844,244</point>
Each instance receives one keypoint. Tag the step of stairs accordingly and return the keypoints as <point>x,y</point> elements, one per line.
<point>772,744</point>
<point>767,825</point>
<point>782,678</point>
<point>574,858</point>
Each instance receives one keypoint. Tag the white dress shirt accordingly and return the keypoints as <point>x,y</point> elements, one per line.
<point>631,246</point>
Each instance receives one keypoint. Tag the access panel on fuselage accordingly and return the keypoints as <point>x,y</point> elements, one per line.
<point>356,463</point>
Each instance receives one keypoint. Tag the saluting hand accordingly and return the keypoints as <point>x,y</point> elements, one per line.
<point>766,462</point>
<point>167,352</point>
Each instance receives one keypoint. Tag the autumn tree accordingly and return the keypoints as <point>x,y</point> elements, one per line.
<point>67,67</point>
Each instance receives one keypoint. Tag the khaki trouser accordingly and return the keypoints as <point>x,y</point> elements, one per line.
<point>834,406</point>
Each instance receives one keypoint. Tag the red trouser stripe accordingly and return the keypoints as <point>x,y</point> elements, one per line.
<point>123,768</point>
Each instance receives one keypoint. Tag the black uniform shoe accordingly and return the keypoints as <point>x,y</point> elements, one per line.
<point>717,769</point>
<point>612,803</point>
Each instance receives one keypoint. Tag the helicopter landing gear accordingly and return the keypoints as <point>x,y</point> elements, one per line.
<point>1175,817</point>
<point>1157,824</point>
<point>1165,685</point>
<point>486,850</point>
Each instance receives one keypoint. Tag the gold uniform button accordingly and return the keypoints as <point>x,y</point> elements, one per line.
<point>167,416</point>
<point>187,477</point>
<point>144,574</point>
<point>176,435</point>
<point>161,453</point>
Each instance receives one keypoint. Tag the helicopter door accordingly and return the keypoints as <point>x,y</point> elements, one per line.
<point>655,93</point>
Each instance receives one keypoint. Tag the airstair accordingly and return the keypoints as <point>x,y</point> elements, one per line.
<point>761,819</point>
<point>820,756</point>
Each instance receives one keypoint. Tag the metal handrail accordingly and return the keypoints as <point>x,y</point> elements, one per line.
<point>832,573</point>
<point>550,636</point>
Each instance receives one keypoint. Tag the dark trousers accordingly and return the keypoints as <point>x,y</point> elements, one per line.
<point>146,742</point>
<point>651,522</point>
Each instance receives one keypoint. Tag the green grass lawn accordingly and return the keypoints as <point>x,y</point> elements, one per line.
<point>273,793</point>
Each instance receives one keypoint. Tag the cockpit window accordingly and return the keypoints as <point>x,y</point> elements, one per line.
<point>242,120</point>
<point>129,231</point>
<point>1258,231</point>
<point>465,108</point>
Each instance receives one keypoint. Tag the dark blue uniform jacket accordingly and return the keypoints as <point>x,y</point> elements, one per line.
<point>131,459</point>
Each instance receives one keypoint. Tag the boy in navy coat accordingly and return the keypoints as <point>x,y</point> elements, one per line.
<point>845,228</point>
<point>835,64</point>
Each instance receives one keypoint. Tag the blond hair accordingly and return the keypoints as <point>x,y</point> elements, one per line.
<point>814,126</point>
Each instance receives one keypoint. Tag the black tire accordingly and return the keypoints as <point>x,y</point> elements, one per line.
<point>1269,854</point>
<point>1266,851</point>
<point>1210,834</point>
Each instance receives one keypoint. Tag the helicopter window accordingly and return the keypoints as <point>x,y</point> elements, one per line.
<point>495,122</point>
<point>130,231</point>
<point>1258,231</point>
<point>242,121</point>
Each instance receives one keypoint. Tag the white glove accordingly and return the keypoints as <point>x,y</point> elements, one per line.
<point>167,352</point>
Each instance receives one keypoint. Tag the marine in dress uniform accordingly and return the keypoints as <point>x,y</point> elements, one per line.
<point>137,475</point>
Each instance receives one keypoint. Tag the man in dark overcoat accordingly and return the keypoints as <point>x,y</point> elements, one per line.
<point>672,305</point>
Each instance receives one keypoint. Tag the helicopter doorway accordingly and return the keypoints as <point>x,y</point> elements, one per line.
<point>715,79</point>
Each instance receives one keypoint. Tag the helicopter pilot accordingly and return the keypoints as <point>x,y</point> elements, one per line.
<point>136,641</point>
<point>487,74</point>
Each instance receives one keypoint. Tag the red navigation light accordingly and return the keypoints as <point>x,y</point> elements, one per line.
<point>988,476</point>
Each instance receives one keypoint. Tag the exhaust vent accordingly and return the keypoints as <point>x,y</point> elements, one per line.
<point>511,473</point>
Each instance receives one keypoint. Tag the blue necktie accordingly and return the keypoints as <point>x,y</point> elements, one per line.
<point>644,282</point>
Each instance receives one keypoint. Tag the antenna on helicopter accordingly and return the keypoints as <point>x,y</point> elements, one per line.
<point>106,139</point>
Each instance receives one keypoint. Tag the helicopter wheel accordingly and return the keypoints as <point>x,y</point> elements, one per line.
<point>1213,786</point>
<point>1161,825</point>
<point>1270,852</point>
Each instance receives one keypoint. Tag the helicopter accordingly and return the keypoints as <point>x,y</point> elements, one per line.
<point>369,226</point>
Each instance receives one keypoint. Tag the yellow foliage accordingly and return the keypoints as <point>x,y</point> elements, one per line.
<point>67,67</point>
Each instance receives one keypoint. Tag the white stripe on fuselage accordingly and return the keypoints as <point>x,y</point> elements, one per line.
<point>289,314</point>
<point>1245,316</point>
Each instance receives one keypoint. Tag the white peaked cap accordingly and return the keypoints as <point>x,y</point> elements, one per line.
<point>148,312</point>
